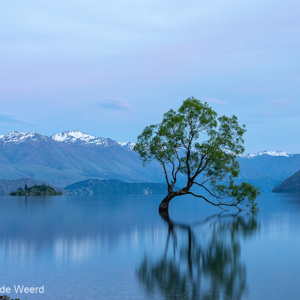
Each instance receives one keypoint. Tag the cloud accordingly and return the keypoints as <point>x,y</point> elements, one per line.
<point>216,101</point>
<point>115,104</point>
<point>7,118</point>
<point>280,102</point>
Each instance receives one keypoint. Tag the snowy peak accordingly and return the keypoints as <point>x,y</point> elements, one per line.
<point>20,137</point>
<point>268,153</point>
<point>72,136</point>
<point>273,153</point>
<point>69,137</point>
<point>129,145</point>
<point>78,136</point>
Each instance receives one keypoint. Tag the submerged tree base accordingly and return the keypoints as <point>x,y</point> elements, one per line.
<point>163,208</point>
<point>164,205</point>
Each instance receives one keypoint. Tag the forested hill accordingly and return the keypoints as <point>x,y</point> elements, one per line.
<point>8,186</point>
<point>36,190</point>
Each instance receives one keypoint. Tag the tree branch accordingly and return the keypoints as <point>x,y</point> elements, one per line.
<point>165,171</point>
<point>201,185</point>
<point>220,204</point>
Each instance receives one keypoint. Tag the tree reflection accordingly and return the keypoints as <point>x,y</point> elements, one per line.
<point>200,261</point>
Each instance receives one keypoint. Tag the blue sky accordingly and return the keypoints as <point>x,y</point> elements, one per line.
<point>109,68</point>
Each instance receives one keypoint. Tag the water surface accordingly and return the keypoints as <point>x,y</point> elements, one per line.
<point>121,248</point>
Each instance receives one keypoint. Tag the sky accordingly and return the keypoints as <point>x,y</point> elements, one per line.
<point>110,68</point>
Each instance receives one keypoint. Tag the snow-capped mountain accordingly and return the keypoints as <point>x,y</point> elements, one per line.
<point>65,137</point>
<point>71,156</point>
<point>78,136</point>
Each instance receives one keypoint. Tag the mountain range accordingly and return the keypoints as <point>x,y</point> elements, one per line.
<point>72,156</point>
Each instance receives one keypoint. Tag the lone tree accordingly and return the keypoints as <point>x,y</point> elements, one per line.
<point>195,142</point>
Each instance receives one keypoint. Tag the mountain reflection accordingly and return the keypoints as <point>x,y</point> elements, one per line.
<point>201,260</point>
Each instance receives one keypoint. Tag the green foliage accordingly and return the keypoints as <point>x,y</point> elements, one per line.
<point>195,142</point>
<point>36,190</point>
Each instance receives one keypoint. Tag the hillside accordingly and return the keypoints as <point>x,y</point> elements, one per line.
<point>290,185</point>
<point>115,187</point>
<point>266,169</point>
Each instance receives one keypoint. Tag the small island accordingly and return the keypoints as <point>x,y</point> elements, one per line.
<point>36,190</point>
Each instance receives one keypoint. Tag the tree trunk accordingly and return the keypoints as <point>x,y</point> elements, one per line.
<point>164,205</point>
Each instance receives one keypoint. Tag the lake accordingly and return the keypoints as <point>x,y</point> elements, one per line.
<point>116,247</point>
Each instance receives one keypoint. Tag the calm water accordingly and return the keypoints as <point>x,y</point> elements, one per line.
<point>120,248</point>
